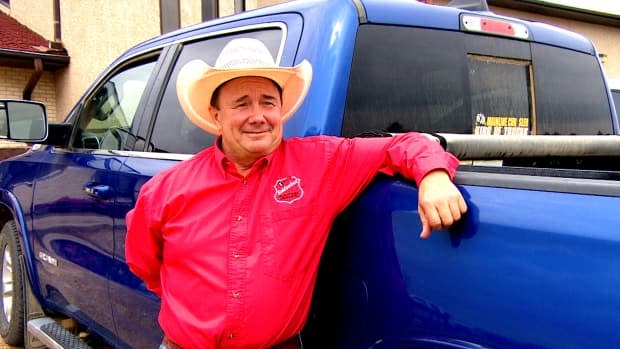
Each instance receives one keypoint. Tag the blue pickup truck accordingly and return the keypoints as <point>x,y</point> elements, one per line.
<point>524,105</point>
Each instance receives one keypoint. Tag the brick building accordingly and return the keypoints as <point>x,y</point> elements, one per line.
<point>52,50</point>
<point>28,64</point>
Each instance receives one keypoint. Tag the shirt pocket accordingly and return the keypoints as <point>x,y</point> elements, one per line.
<point>289,241</point>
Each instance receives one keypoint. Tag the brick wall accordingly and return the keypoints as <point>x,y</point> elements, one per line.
<point>12,86</point>
<point>15,79</point>
<point>9,149</point>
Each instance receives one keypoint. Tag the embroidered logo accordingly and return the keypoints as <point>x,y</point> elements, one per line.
<point>288,190</point>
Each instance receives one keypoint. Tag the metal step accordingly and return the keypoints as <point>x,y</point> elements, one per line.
<point>53,335</point>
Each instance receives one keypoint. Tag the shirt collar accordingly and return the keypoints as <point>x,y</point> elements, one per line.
<point>224,162</point>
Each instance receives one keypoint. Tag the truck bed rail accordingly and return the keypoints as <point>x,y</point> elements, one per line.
<point>479,147</point>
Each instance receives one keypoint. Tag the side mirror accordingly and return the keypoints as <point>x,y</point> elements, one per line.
<point>23,121</point>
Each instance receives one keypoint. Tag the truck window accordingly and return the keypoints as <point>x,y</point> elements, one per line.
<point>500,95</point>
<point>173,131</point>
<point>570,94</point>
<point>108,113</point>
<point>427,80</point>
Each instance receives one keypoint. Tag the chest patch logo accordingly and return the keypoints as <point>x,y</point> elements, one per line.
<point>288,190</point>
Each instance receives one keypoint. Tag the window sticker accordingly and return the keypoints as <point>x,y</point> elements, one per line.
<point>501,125</point>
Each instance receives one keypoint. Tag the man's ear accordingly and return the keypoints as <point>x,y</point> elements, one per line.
<point>215,115</point>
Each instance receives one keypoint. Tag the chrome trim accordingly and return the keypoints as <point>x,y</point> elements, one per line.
<point>152,155</point>
<point>127,153</point>
<point>7,282</point>
<point>361,11</point>
<point>34,327</point>
<point>280,25</point>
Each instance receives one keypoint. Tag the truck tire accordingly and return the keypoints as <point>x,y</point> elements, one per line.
<point>11,287</point>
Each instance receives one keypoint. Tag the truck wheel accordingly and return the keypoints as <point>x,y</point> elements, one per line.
<point>11,287</point>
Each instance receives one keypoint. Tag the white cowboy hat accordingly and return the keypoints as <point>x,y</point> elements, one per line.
<point>197,80</point>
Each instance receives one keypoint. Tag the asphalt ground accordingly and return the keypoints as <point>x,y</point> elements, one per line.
<point>6,346</point>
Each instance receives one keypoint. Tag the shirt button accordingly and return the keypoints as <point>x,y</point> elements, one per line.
<point>231,336</point>
<point>239,218</point>
<point>236,255</point>
<point>245,181</point>
<point>236,294</point>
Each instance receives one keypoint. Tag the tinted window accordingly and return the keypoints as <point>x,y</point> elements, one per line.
<point>407,79</point>
<point>175,133</point>
<point>413,79</point>
<point>616,96</point>
<point>570,93</point>
<point>106,119</point>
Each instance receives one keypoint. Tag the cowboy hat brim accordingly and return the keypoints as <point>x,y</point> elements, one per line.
<point>197,81</point>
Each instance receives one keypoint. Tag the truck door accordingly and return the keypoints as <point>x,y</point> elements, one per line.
<point>74,197</point>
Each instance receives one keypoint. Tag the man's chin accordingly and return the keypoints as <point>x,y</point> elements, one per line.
<point>261,145</point>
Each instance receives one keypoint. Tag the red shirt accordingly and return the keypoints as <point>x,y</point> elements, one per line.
<point>234,259</point>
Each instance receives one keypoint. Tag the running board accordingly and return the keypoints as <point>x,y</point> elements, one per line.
<point>53,335</point>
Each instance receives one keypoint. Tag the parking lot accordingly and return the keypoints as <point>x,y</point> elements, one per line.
<point>5,346</point>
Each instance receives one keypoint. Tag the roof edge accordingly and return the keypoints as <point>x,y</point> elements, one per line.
<point>22,58</point>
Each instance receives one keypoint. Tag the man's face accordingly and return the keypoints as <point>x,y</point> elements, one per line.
<point>248,117</point>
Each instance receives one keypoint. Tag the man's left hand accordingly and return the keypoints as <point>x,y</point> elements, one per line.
<point>440,203</point>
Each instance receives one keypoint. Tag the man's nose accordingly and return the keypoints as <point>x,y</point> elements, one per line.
<point>257,114</point>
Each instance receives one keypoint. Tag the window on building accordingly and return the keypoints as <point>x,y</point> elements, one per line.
<point>210,9</point>
<point>170,18</point>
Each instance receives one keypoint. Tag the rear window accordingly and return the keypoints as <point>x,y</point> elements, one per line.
<point>427,80</point>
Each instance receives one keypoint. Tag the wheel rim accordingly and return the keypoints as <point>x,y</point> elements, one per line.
<point>7,283</point>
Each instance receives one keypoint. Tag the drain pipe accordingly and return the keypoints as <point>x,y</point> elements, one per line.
<point>57,34</point>
<point>34,79</point>
<point>38,62</point>
<point>239,6</point>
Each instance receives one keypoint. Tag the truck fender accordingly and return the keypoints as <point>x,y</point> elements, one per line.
<point>9,202</point>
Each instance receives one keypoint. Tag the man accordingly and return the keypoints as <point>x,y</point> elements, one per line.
<point>231,239</point>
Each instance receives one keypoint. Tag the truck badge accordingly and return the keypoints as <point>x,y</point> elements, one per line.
<point>288,190</point>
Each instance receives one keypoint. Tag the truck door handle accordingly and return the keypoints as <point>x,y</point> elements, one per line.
<point>99,191</point>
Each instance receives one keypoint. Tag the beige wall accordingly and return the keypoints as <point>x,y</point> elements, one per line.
<point>38,15</point>
<point>191,12</point>
<point>95,33</point>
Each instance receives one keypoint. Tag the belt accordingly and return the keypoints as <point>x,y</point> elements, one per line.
<point>291,343</point>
